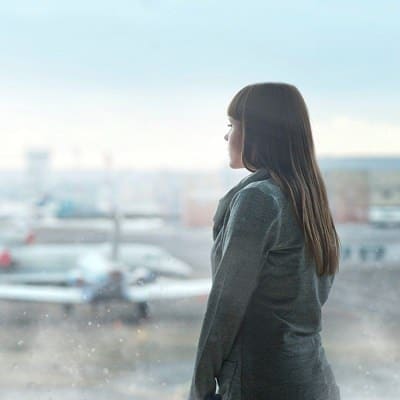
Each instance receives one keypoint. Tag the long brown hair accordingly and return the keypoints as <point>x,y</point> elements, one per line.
<point>277,135</point>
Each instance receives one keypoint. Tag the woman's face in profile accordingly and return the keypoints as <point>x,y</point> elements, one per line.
<point>234,139</point>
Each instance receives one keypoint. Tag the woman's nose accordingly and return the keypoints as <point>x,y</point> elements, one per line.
<point>226,137</point>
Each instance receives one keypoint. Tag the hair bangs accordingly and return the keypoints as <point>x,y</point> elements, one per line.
<point>236,107</point>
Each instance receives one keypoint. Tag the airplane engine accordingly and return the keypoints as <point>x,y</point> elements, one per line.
<point>142,276</point>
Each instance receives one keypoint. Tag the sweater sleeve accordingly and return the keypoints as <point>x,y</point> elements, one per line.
<point>251,231</point>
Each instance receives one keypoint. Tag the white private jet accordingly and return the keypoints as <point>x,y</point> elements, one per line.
<point>77,274</point>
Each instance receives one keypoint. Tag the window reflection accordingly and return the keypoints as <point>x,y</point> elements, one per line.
<point>113,161</point>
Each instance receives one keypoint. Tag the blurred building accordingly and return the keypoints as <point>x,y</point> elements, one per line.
<point>360,189</point>
<point>385,197</point>
<point>199,208</point>
<point>363,189</point>
<point>200,197</point>
<point>348,194</point>
<point>37,169</point>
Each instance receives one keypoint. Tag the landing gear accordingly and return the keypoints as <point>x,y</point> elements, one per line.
<point>67,308</point>
<point>143,311</point>
<point>137,314</point>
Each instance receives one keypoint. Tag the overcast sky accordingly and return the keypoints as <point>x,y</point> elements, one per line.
<point>148,82</point>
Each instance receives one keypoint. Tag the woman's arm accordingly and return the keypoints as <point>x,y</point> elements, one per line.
<point>251,231</point>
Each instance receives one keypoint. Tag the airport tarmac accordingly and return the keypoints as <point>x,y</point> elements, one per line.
<point>98,354</point>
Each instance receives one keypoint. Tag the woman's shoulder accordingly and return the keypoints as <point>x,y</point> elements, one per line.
<point>261,199</point>
<point>261,191</point>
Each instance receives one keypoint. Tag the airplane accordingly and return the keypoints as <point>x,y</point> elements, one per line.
<point>60,259</point>
<point>93,274</point>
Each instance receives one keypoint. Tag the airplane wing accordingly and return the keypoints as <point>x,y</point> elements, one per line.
<point>37,278</point>
<point>154,258</point>
<point>169,289</point>
<point>43,294</point>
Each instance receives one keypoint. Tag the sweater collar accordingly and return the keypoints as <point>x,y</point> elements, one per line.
<point>223,203</point>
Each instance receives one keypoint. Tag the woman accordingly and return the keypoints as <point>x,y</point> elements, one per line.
<point>274,258</point>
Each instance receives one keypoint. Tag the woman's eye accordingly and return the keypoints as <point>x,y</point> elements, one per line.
<point>230,125</point>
